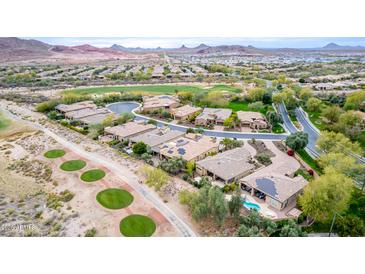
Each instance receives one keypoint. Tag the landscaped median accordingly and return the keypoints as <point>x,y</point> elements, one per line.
<point>114,198</point>
<point>137,226</point>
<point>73,165</point>
<point>92,175</point>
<point>54,153</point>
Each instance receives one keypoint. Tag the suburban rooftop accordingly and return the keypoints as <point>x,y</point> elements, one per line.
<point>189,147</point>
<point>75,106</point>
<point>229,164</point>
<point>215,113</point>
<point>157,136</point>
<point>278,187</point>
<point>129,129</point>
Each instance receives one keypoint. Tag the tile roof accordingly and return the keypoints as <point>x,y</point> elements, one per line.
<point>229,164</point>
<point>278,187</point>
<point>129,129</point>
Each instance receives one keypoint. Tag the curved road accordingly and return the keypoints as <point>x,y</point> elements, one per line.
<point>180,225</point>
<point>213,133</point>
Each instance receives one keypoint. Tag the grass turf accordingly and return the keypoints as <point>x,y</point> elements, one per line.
<point>114,198</point>
<point>137,226</point>
<point>157,89</point>
<point>92,175</point>
<point>310,161</point>
<point>54,153</point>
<point>73,165</point>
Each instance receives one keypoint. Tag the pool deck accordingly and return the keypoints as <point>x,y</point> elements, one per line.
<point>267,210</point>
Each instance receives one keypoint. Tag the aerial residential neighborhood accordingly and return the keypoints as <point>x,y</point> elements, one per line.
<point>182,137</point>
<point>202,140</point>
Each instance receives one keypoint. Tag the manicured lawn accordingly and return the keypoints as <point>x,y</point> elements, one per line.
<point>157,89</point>
<point>114,198</point>
<point>54,153</point>
<point>225,88</point>
<point>137,226</point>
<point>236,106</point>
<point>92,175</point>
<point>4,121</point>
<point>309,160</point>
<point>73,165</point>
<point>315,118</point>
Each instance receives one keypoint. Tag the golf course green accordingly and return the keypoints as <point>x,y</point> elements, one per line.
<point>54,153</point>
<point>92,175</point>
<point>114,198</point>
<point>73,165</point>
<point>137,226</point>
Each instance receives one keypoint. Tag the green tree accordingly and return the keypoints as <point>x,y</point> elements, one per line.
<point>297,141</point>
<point>190,167</point>
<point>254,225</point>
<point>256,94</point>
<point>292,229</point>
<point>344,164</point>
<point>327,195</point>
<point>47,106</point>
<point>355,101</point>
<point>124,118</point>
<point>313,104</point>
<point>231,143</point>
<point>155,177</point>
<point>277,98</point>
<point>256,106</point>
<point>330,141</point>
<point>108,121</point>
<point>235,204</point>
<point>274,117</point>
<point>350,226</point>
<point>351,124</point>
<point>305,94</point>
<point>332,114</point>
<point>173,165</point>
<point>139,148</point>
<point>209,202</point>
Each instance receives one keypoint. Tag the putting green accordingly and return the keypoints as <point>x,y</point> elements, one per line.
<point>73,165</point>
<point>137,226</point>
<point>54,153</point>
<point>92,175</point>
<point>114,198</point>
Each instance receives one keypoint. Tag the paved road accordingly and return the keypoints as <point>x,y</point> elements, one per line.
<point>309,128</point>
<point>312,133</point>
<point>286,119</point>
<point>213,133</point>
<point>125,174</point>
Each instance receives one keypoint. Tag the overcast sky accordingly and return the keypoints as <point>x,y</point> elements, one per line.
<point>152,42</point>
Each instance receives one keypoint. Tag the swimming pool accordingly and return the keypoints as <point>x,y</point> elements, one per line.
<point>249,205</point>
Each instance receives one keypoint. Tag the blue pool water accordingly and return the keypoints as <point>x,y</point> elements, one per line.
<point>249,205</point>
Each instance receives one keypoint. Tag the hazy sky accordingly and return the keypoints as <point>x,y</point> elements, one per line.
<point>152,42</point>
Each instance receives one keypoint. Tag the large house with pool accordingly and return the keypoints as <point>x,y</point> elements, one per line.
<point>278,191</point>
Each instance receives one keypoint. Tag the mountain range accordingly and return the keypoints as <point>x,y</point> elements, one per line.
<point>16,49</point>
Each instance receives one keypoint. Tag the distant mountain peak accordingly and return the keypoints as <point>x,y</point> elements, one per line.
<point>331,45</point>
